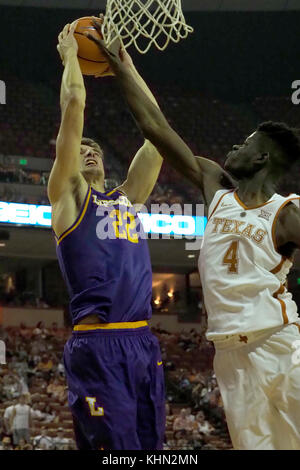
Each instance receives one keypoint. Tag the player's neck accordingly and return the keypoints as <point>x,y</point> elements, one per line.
<point>98,187</point>
<point>97,184</point>
<point>256,190</point>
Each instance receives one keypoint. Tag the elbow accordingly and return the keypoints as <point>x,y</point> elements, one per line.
<point>74,99</point>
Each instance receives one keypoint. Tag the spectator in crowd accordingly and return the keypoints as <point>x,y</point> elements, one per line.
<point>43,412</point>
<point>183,421</point>
<point>39,382</point>
<point>28,447</point>
<point>20,367</point>
<point>184,384</point>
<point>56,389</point>
<point>12,386</point>
<point>44,178</point>
<point>50,414</point>
<point>56,332</point>
<point>45,365</point>
<point>189,416</point>
<point>21,420</point>
<point>7,418</point>
<point>36,413</point>
<point>42,441</point>
<point>6,444</point>
<point>40,330</point>
<point>201,425</point>
<point>182,440</point>
<point>24,331</point>
<point>60,441</point>
<point>21,445</point>
<point>195,377</point>
<point>61,369</point>
<point>35,355</point>
<point>197,440</point>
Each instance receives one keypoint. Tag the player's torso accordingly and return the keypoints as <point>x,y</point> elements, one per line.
<point>105,261</point>
<point>242,274</point>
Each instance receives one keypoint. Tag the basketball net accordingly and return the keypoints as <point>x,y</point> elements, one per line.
<point>144,22</point>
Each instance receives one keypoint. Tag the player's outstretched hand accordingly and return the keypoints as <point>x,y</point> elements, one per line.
<point>107,72</point>
<point>67,41</point>
<point>112,54</point>
<point>123,54</point>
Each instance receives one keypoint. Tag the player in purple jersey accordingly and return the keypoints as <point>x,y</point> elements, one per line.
<point>112,360</point>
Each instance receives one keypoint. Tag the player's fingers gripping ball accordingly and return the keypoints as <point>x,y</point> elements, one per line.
<point>91,59</point>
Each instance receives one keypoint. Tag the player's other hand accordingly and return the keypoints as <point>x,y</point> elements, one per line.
<point>125,59</point>
<point>107,72</point>
<point>67,41</point>
<point>112,54</point>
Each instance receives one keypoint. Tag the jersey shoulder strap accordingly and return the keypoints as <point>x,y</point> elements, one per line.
<point>218,197</point>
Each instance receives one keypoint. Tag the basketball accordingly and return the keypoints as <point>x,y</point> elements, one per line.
<point>91,60</point>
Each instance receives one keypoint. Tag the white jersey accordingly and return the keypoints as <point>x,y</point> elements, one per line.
<point>242,274</point>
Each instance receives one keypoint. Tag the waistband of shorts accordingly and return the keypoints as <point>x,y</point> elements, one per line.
<point>136,327</point>
<point>242,339</point>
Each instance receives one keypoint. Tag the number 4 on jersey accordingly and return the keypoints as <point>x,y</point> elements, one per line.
<point>231,258</point>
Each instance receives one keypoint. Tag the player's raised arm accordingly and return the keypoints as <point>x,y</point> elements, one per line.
<point>72,102</point>
<point>204,173</point>
<point>145,167</point>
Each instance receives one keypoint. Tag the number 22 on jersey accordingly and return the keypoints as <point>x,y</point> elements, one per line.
<point>122,228</point>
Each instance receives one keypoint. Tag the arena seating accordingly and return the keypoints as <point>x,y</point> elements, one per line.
<point>190,383</point>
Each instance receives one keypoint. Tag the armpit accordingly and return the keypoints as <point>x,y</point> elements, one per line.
<point>288,229</point>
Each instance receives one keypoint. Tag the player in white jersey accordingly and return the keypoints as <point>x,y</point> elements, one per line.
<point>250,238</point>
<point>247,273</point>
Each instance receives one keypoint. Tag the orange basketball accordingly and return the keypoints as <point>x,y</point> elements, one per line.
<point>91,60</point>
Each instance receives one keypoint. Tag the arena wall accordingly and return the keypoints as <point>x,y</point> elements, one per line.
<point>15,316</point>
<point>170,323</point>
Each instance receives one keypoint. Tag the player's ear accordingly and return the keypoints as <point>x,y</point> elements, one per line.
<point>263,157</point>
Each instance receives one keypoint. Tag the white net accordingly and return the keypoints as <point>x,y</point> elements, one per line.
<point>145,22</point>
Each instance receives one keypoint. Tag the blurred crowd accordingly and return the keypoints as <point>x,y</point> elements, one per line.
<point>194,408</point>
<point>10,296</point>
<point>10,193</point>
<point>209,126</point>
<point>12,174</point>
<point>34,413</point>
<point>33,394</point>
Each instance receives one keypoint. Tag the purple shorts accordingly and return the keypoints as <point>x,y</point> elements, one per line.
<point>116,389</point>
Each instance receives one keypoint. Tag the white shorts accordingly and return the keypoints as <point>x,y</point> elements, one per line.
<point>260,387</point>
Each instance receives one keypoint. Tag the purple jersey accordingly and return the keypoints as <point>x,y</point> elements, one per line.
<point>105,261</point>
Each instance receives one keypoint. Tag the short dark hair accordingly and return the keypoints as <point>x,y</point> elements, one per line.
<point>287,139</point>
<point>92,143</point>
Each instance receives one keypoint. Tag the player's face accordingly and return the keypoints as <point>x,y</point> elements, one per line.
<point>91,163</point>
<point>240,162</point>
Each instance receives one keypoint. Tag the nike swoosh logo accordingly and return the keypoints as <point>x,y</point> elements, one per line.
<point>159,363</point>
